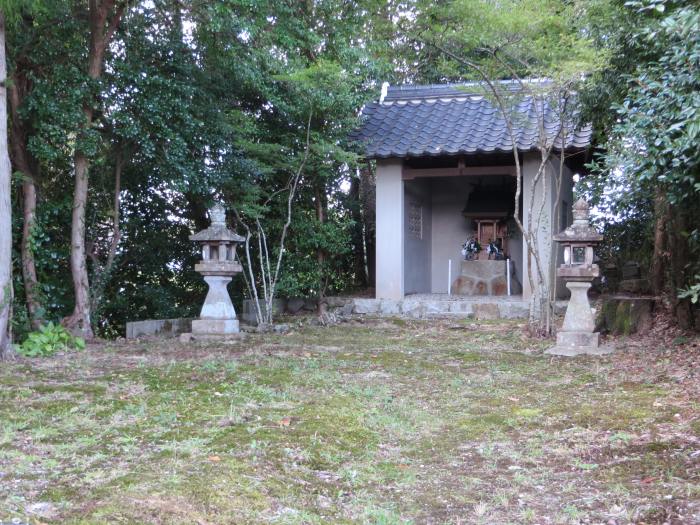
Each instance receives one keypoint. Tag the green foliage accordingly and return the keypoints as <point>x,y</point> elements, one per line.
<point>48,340</point>
<point>692,292</point>
<point>505,39</point>
<point>199,102</point>
<point>654,129</point>
<point>659,120</point>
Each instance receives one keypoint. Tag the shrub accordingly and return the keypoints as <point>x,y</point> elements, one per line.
<point>48,340</point>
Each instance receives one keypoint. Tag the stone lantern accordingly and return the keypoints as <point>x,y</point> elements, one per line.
<point>218,266</point>
<point>577,334</point>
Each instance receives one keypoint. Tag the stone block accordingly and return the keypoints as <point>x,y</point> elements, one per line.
<point>463,285</point>
<point>347,308</point>
<point>578,317</point>
<point>214,327</point>
<point>294,305</point>
<point>517,310</point>
<point>389,307</point>
<point>631,270</point>
<point>624,315</point>
<point>486,311</point>
<point>217,304</point>
<point>248,311</point>
<point>336,302</point>
<point>311,304</point>
<point>499,286</point>
<point>481,288</point>
<point>165,327</point>
<point>483,270</point>
<point>436,307</point>
<point>461,307</point>
<point>578,343</point>
<point>366,306</point>
<point>638,286</point>
<point>484,278</point>
<point>412,308</point>
<point>585,339</point>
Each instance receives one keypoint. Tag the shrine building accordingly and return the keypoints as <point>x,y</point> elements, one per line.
<point>445,173</point>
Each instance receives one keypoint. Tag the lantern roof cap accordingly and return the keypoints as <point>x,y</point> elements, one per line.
<point>581,229</point>
<point>217,231</point>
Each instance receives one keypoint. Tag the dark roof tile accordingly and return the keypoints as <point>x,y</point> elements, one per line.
<point>455,119</point>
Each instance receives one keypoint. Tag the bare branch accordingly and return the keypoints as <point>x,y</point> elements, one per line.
<point>290,200</point>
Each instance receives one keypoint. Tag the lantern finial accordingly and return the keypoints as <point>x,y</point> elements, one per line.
<point>581,210</point>
<point>217,214</point>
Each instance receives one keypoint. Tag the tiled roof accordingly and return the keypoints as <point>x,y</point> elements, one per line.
<point>457,119</point>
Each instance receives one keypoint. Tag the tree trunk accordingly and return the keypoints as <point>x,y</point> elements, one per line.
<point>368,203</point>
<point>102,277</point>
<point>679,255</point>
<point>320,252</point>
<point>80,321</point>
<point>659,258</point>
<point>5,211</point>
<point>23,164</point>
<point>357,236</point>
<point>31,282</point>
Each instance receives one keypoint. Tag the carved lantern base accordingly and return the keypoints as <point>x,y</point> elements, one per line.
<point>218,317</point>
<point>576,336</point>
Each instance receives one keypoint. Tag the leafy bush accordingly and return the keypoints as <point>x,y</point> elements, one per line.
<point>692,292</point>
<point>48,340</point>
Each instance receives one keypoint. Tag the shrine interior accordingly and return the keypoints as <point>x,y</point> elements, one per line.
<point>442,212</point>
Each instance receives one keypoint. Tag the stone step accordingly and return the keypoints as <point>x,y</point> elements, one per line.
<point>421,308</point>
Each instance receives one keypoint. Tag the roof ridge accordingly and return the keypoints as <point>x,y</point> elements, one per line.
<point>454,89</point>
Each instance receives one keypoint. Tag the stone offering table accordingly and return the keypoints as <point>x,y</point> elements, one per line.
<point>485,278</point>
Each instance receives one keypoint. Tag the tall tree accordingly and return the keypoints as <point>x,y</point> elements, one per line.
<point>26,30</point>
<point>5,208</point>
<point>103,17</point>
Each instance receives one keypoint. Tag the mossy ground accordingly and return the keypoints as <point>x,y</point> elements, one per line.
<point>378,422</point>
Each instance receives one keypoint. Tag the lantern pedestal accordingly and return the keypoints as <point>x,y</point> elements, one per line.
<point>218,317</point>
<point>576,336</point>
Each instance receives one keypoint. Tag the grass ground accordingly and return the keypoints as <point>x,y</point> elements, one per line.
<point>381,422</point>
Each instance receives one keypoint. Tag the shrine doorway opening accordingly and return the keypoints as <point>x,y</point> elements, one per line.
<point>441,213</point>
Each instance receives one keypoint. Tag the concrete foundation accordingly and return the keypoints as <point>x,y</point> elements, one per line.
<point>571,344</point>
<point>441,305</point>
